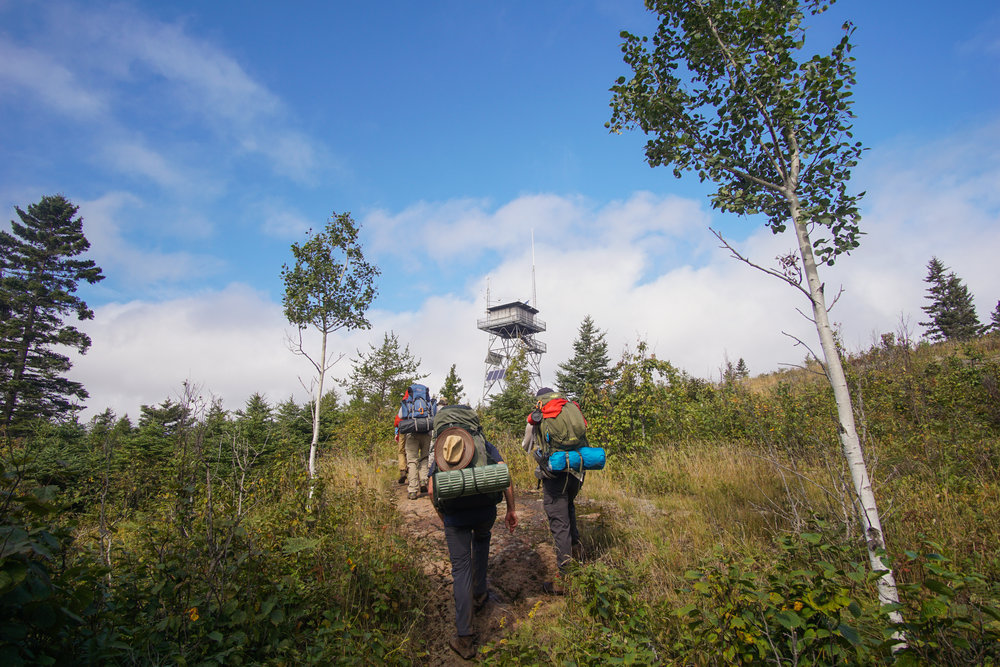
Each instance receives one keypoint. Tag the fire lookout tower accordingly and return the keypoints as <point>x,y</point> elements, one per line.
<point>512,328</point>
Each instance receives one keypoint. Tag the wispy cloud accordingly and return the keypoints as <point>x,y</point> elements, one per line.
<point>132,264</point>
<point>115,68</point>
<point>27,72</point>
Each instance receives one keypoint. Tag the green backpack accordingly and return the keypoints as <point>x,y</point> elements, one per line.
<point>562,427</point>
<point>466,418</point>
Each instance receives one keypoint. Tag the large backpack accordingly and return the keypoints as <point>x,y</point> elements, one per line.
<point>562,427</point>
<point>464,417</point>
<point>417,410</point>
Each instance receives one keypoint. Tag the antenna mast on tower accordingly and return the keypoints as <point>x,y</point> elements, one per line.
<point>534,296</point>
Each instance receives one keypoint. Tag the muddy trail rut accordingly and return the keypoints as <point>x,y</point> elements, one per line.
<point>519,564</point>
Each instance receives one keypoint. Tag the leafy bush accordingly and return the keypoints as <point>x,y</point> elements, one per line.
<point>949,617</point>
<point>46,601</point>
<point>814,607</point>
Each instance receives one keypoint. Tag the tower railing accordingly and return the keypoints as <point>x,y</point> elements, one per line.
<point>513,318</point>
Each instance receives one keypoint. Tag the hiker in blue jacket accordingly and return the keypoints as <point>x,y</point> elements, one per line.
<point>468,523</point>
<point>559,490</point>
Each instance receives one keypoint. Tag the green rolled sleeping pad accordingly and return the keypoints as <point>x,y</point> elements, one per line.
<point>470,481</point>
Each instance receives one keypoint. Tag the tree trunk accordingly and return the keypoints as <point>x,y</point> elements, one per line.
<point>17,372</point>
<point>319,397</point>
<point>865,498</point>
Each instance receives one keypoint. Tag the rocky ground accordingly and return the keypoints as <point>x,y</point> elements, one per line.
<point>519,564</point>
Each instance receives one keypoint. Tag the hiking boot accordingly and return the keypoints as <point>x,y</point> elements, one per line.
<point>464,646</point>
<point>402,478</point>
<point>412,495</point>
<point>479,602</point>
<point>423,488</point>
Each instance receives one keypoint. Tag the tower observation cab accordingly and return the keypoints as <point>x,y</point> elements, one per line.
<point>512,327</point>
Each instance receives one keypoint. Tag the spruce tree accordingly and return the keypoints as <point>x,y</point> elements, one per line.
<point>453,390</point>
<point>381,376</point>
<point>590,366</point>
<point>951,312</point>
<point>995,318</point>
<point>39,275</point>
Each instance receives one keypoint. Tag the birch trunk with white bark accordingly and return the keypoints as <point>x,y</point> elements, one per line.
<point>846,427</point>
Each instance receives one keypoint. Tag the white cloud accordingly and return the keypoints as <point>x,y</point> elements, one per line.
<point>53,83</point>
<point>613,262</point>
<point>228,342</point>
<point>283,223</point>
<point>136,158</point>
<point>109,65</point>
<point>131,264</point>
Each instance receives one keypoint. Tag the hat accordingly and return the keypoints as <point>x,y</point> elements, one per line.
<point>454,448</point>
<point>543,391</point>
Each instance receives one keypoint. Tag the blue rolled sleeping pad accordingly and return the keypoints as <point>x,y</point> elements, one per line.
<point>592,458</point>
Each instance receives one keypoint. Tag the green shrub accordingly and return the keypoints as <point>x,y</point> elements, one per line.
<point>814,607</point>
<point>949,617</point>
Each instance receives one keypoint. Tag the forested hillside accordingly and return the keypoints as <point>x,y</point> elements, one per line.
<point>721,531</point>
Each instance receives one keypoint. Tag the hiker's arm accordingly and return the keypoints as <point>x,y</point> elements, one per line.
<point>511,518</point>
<point>529,437</point>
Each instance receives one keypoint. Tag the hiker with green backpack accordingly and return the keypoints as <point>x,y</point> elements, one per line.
<point>555,437</point>
<point>467,480</point>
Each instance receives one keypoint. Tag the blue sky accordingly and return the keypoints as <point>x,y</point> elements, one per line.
<point>201,139</point>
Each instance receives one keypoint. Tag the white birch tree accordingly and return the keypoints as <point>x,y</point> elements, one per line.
<point>330,287</point>
<point>726,91</point>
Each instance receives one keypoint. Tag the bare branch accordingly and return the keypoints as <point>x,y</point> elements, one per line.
<point>771,272</point>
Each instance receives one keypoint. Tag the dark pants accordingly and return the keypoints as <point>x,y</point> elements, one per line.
<point>558,496</point>
<point>469,551</point>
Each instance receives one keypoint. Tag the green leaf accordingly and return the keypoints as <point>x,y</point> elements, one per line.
<point>939,587</point>
<point>294,545</point>
<point>849,633</point>
<point>789,619</point>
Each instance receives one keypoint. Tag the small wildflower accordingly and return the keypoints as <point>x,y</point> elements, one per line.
<point>797,606</point>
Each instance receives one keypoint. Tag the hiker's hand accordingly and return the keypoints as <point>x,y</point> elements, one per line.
<point>511,520</point>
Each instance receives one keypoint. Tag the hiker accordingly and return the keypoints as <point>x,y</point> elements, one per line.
<point>414,422</point>
<point>400,452</point>
<point>559,489</point>
<point>468,517</point>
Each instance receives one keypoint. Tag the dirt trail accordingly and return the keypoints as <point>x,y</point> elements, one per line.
<point>518,566</point>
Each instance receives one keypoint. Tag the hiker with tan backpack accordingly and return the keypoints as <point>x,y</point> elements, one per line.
<point>467,480</point>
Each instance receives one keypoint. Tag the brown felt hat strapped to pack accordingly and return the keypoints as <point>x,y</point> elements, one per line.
<point>454,449</point>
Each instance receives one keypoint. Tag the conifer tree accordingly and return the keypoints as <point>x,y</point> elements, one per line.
<point>951,312</point>
<point>453,390</point>
<point>589,367</point>
<point>382,375</point>
<point>995,318</point>
<point>39,275</point>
